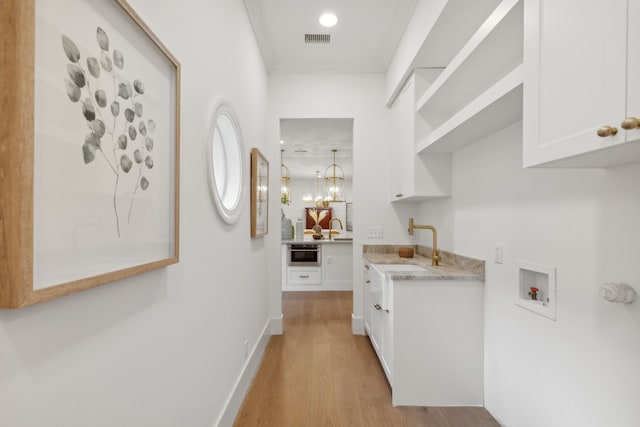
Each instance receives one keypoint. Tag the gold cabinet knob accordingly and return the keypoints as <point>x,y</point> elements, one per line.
<point>377,307</point>
<point>605,131</point>
<point>398,194</point>
<point>630,123</point>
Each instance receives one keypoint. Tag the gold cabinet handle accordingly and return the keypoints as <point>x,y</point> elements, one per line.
<point>630,123</point>
<point>366,266</point>
<point>377,307</point>
<point>605,131</point>
<point>367,281</point>
<point>398,194</point>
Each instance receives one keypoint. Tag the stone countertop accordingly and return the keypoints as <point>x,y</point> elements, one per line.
<point>453,266</point>
<point>322,241</point>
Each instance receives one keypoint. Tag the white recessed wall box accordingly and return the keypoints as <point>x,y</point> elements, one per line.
<point>537,288</point>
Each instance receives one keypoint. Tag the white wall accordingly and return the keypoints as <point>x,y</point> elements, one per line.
<point>163,348</point>
<point>581,370</point>
<point>358,96</point>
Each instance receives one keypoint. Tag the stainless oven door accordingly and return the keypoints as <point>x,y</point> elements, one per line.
<point>304,254</point>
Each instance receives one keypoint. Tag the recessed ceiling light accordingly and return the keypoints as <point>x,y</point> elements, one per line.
<point>328,19</point>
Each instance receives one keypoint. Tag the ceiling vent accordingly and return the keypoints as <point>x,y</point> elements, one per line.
<point>317,38</point>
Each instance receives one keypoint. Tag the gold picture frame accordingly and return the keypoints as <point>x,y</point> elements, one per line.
<point>90,148</point>
<point>259,193</point>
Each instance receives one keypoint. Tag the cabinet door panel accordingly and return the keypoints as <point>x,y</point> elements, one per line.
<point>633,82</point>
<point>402,142</point>
<point>575,76</point>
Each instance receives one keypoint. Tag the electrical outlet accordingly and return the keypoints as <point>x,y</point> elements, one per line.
<point>497,256</point>
<point>375,232</point>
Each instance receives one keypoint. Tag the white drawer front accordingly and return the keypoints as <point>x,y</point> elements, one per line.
<point>304,276</point>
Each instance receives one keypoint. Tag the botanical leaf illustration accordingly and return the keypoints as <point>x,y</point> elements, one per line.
<point>103,39</point>
<point>122,142</point>
<point>118,59</point>
<point>73,91</point>
<point>105,61</point>
<point>88,110</point>
<point>91,144</point>
<point>124,91</point>
<point>129,114</point>
<point>76,74</point>
<point>111,135</point>
<point>98,128</point>
<point>101,98</point>
<point>139,86</point>
<point>93,67</point>
<point>125,163</point>
<point>70,49</point>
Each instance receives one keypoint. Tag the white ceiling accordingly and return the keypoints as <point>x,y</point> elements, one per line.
<point>307,145</point>
<point>364,39</point>
<point>367,34</point>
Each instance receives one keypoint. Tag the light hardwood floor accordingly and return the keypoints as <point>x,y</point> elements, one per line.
<point>319,374</point>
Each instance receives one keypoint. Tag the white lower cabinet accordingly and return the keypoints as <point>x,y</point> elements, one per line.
<point>304,276</point>
<point>430,341</point>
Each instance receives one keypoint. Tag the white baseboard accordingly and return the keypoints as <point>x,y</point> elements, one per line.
<point>357,325</point>
<point>240,388</point>
<point>333,286</point>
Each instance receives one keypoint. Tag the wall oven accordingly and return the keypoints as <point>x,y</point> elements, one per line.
<point>304,254</point>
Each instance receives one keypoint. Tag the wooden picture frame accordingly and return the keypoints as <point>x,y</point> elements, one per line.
<point>259,193</point>
<point>89,136</point>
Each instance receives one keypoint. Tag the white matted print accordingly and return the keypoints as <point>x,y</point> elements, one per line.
<point>105,143</point>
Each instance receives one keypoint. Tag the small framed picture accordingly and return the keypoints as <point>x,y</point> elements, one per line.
<point>259,193</point>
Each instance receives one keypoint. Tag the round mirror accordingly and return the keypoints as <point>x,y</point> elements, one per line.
<point>226,162</point>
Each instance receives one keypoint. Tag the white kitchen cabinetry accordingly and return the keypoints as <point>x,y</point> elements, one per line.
<point>335,272</point>
<point>582,74</point>
<point>367,311</point>
<point>415,177</point>
<point>480,90</point>
<point>430,340</point>
<point>337,266</point>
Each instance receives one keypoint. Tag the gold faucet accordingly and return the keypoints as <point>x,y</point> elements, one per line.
<point>435,256</point>
<point>331,222</point>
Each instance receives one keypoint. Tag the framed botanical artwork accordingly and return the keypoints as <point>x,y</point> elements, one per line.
<point>259,193</point>
<point>90,148</point>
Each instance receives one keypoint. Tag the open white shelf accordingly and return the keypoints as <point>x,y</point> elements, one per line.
<point>487,69</point>
<point>493,110</point>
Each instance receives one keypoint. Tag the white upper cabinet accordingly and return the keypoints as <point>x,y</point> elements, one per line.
<point>415,177</point>
<point>582,79</point>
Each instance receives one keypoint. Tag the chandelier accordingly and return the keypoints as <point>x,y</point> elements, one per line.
<point>334,182</point>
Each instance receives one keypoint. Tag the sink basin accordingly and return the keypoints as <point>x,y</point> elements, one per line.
<point>383,280</point>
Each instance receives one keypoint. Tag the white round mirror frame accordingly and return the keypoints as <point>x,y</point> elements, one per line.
<point>233,173</point>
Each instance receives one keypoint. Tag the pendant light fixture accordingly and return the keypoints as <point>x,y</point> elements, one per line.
<point>285,181</point>
<point>334,182</point>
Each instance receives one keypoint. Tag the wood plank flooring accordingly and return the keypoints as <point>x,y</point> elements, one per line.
<point>319,374</point>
